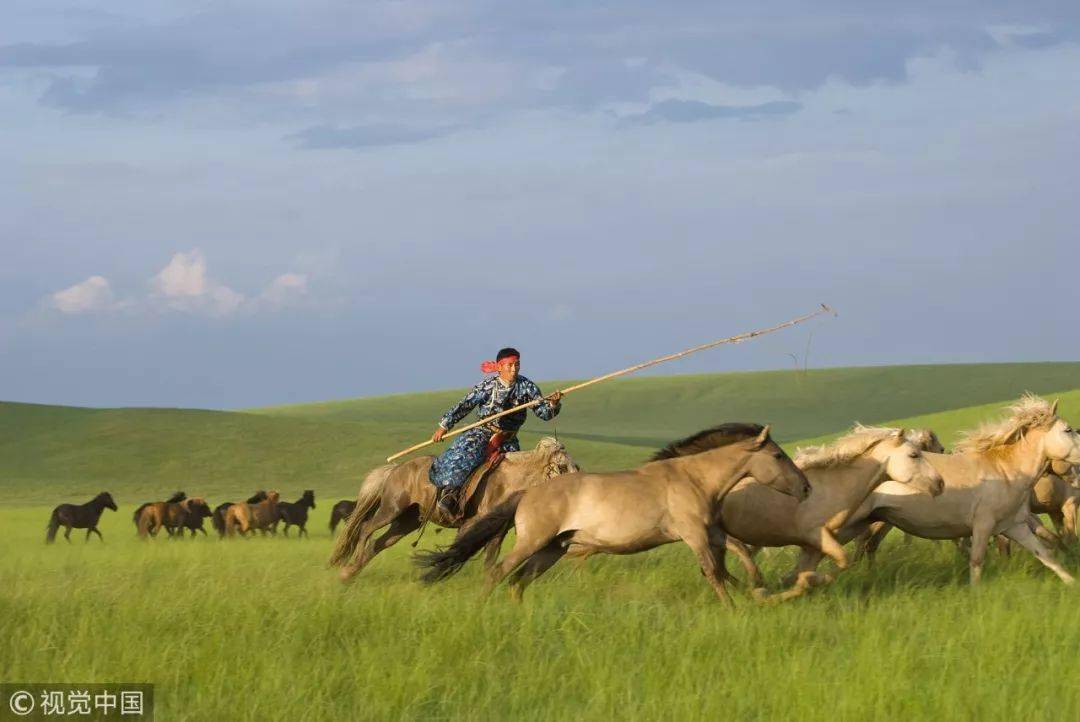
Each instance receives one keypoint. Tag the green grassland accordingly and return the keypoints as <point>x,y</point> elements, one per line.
<point>260,629</point>
<point>141,454</point>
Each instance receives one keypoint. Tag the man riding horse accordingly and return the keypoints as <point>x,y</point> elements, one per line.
<point>507,389</point>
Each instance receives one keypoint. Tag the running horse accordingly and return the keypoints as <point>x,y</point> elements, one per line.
<point>79,516</point>
<point>401,496</point>
<point>674,497</point>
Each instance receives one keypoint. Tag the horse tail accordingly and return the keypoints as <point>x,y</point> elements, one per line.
<point>53,526</point>
<point>367,501</point>
<point>138,513</point>
<point>443,563</point>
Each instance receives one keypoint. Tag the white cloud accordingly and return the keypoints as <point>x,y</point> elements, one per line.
<point>185,286</point>
<point>185,276</point>
<point>284,289</point>
<point>93,294</point>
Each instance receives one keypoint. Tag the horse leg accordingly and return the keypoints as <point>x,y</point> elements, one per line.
<point>67,533</point>
<point>1022,535</point>
<point>534,566</point>
<point>96,531</point>
<point>1040,530</point>
<point>980,537</point>
<point>1004,546</point>
<point>1068,520</point>
<point>870,544</point>
<point>524,548</point>
<point>697,537</point>
<point>303,531</point>
<point>492,549</point>
<point>836,552</point>
<point>286,529</point>
<point>753,572</point>
<point>385,515</point>
<point>88,533</point>
<point>402,526</point>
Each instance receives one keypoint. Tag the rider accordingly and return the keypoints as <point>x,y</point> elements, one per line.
<point>450,470</point>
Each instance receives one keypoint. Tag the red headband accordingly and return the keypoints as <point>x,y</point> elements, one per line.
<point>491,367</point>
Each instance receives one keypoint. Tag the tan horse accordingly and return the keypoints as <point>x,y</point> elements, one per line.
<point>842,474</point>
<point>988,482</point>
<point>1055,495</point>
<point>247,517</point>
<point>672,498</point>
<point>399,495</point>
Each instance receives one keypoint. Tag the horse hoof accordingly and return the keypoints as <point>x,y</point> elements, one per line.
<point>345,576</point>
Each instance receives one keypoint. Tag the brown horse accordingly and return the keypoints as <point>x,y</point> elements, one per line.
<point>673,498</point>
<point>79,516</point>
<point>218,516</point>
<point>148,516</point>
<point>399,495</point>
<point>247,517</point>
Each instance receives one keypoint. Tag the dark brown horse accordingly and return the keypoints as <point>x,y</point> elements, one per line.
<point>341,511</point>
<point>295,513</point>
<point>218,519</point>
<point>197,510</point>
<point>79,516</point>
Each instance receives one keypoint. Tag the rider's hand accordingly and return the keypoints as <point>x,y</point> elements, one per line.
<point>553,399</point>
<point>439,434</point>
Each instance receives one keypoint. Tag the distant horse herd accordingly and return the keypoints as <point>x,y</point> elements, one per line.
<point>730,488</point>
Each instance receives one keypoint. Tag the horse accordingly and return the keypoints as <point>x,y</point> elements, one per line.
<point>842,474</point>
<point>79,516</point>
<point>152,524</point>
<point>295,513</point>
<point>1055,495</point>
<point>401,495</point>
<point>248,517</point>
<point>340,512</point>
<point>673,497</point>
<point>988,482</point>
<point>218,517</point>
<point>197,510</point>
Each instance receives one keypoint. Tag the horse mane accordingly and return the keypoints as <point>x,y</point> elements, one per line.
<point>844,450</point>
<point>1030,412</point>
<point>709,439</point>
<point>545,447</point>
<point>258,496</point>
<point>925,439</point>
<point>176,498</point>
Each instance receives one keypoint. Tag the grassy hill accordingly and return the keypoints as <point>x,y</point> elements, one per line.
<point>48,452</point>
<point>650,411</point>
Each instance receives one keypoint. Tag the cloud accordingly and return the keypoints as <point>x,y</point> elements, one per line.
<point>283,290</point>
<point>689,111</point>
<point>414,57</point>
<point>185,286</point>
<point>364,136</point>
<point>93,294</point>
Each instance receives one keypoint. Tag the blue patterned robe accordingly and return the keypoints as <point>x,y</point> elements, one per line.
<point>490,396</point>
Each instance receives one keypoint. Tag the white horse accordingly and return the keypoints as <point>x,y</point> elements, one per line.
<point>842,474</point>
<point>988,482</point>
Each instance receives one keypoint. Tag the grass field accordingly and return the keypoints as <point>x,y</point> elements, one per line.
<point>260,629</point>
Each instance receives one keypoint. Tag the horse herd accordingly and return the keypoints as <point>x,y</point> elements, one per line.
<point>262,512</point>
<point>730,488</point>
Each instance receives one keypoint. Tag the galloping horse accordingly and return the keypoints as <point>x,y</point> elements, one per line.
<point>988,482</point>
<point>248,517</point>
<point>842,474</point>
<point>295,513</point>
<point>218,517</point>
<point>399,495</point>
<point>673,498</point>
<point>149,522</point>
<point>340,512</point>
<point>79,516</point>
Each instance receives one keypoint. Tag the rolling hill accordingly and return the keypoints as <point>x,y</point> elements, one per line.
<point>53,452</point>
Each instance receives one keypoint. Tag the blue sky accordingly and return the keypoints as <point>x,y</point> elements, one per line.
<point>229,204</point>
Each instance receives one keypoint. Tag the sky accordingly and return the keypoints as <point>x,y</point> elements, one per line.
<point>232,204</point>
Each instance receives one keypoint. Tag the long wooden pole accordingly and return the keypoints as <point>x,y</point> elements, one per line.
<point>606,377</point>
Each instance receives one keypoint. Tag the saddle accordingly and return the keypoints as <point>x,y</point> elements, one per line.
<point>493,456</point>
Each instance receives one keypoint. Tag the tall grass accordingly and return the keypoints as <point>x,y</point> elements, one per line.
<point>260,629</point>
